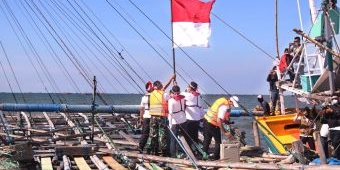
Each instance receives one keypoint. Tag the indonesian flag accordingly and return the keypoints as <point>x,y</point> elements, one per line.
<point>191,22</point>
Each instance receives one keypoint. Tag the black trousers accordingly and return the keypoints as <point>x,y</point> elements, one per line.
<point>192,132</point>
<point>335,138</point>
<point>145,133</point>
<point>210,131</point>
<point>308,140</point>
<point>324,143</point>
<point>176,130</point>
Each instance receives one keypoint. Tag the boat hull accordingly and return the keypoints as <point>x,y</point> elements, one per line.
<point>279,132</point>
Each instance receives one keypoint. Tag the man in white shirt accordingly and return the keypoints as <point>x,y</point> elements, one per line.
<point>145,116</point>
<point>177,118</point>
<point>213,120</point>
<point>194,113</point>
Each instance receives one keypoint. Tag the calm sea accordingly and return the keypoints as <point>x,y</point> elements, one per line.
<point>244,123</point>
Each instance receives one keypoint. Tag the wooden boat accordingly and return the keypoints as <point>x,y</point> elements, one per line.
<point>318,83</point>
<point>279,132</point>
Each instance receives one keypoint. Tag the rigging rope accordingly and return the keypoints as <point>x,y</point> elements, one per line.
<point>243,36</point>
<point>116,39</point>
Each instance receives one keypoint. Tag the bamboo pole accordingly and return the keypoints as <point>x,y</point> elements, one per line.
<point>256,134</point>
<point>219,164</point>
<point>28,123</point>
<point>66,161</point>
<point>320,150</point>
<point>316,42</point>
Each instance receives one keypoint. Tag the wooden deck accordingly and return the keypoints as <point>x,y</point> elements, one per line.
<point>71,141</point>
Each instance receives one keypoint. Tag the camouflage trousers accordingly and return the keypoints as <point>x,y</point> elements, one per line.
<point>157,141</point>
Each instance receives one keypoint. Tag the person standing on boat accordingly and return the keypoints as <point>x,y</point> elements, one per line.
<point>194,113</point>
<point>334,125</point>
<point>158,122</point>
<point>307,127</point>
<point>274,91</point>
<point>213,120</point>
<point>264,104</point>
<point>285,61</point>
<point>296,49</point>
<point>324,130</point>
<point>145,116</point>
<point>177,119</point>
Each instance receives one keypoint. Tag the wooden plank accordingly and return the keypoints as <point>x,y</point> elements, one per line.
<point>127,137</point>
<point>99,163</point>
<point>187,147</point>
<point>81,163</point>
<point>83,150</point>
<point>113,163</point>
<point>147,165</point>
<point>46,163</point>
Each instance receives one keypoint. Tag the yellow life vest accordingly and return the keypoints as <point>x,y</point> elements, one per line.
<point>212,113</point>
<point>158,106</point>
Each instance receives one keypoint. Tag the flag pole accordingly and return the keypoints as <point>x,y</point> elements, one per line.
<point>173,44</point>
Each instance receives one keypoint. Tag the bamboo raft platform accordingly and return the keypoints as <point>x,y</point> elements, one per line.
<point>53,141</point>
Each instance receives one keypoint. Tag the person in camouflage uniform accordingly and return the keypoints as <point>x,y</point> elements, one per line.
<point>157,140</point>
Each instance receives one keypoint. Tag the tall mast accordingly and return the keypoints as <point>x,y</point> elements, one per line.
<point>282,102</point>
<point>173,44</point>
<point>313,12</point>
<point>328,34</point>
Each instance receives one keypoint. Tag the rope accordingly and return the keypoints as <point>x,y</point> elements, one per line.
<point>243,36</point>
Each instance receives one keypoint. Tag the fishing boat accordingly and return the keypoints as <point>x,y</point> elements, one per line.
<point>320,79</point>
<point>279,132</point>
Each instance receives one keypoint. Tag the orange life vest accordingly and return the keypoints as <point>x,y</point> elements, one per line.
<point>212,114</point>
<point>158,106</point>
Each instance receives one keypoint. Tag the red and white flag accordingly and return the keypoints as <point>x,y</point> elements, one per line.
<point>191,22</point>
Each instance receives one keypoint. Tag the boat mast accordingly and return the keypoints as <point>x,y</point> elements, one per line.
<point>282,102</point>
<point>328,34</point>
<point>313,12</point>
<point>173,43</point>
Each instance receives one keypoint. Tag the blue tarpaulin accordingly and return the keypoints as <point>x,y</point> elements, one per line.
<point>330,161</point>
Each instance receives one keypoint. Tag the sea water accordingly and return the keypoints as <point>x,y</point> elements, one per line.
<point>244,123</point>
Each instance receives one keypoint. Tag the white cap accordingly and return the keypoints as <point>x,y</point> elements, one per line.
<point>259,96</point>
<point>235,100</point>
<point>334,102</point>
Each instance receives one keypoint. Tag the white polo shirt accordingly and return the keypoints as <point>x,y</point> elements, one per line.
<point>145,103</point>
<point>222,110</point>
<point>176,111</point>
<point>194,110</point>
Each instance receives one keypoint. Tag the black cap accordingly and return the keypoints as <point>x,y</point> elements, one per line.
<point>176,89</point>
<point>157,84</point>
<point>193,85</point>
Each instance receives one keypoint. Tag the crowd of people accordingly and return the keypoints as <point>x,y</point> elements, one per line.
<point>166,116</point>
<point>326,121</point>
<point>330,126</point>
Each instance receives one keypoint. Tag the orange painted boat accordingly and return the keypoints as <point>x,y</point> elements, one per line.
<point>279,131</point>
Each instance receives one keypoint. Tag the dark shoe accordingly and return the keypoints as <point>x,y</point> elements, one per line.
<point>212,157</point>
